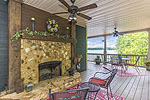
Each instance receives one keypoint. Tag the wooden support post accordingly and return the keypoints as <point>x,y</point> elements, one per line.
<point>73,47</point>
<point>105,49</point>
<point>14,18</point>
<point>148,57</point>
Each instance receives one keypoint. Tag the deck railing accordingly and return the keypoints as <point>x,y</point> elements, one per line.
<point>140,63</point>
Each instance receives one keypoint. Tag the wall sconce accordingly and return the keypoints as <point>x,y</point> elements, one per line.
<point>68,29</point>
<point>33,22</point>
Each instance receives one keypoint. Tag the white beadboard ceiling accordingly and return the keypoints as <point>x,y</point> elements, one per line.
<point>126,15</point>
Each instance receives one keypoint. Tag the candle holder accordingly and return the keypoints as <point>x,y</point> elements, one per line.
<point>33,23</point>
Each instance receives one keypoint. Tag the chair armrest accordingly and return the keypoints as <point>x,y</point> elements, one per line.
<point>96,78</point>
<point>107,69</point>
<point>101,73</point>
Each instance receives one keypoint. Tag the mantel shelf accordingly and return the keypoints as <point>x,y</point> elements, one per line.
<point>47,38</point>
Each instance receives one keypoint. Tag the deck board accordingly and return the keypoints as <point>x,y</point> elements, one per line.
<point>148,88</point>
<point>139,89</point>
<point>131,88</point>
<point>144,95</point>
<point>123,86</point>
<point>126,91</point>
<point>119,84</point>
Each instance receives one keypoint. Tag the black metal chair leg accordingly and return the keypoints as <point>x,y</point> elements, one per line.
<point>107,93</point>
<point>95,95</point>
<point>126,68</point>
<point>137,69</point>
<point>121,70</point>
<point>110,91</point>
<point>112,67</point>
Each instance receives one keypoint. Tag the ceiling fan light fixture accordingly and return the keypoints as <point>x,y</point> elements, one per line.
<point>75,18</point>
<point>72,17</point>
<point>115,33</point>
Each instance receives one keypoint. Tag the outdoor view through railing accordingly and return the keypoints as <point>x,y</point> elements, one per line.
<point>128,45</point>
<point>140,63</point>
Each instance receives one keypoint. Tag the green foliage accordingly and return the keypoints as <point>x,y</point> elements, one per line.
<point>21,33</point>
<point>97,59</point>
<point>147,62</point>
<point>135,43</point>
<point>17,35</point>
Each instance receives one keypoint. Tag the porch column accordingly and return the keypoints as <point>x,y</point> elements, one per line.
<point>148,56</point>
<point>14,18</point>
<point>105,49</point>
<point>73,51</point>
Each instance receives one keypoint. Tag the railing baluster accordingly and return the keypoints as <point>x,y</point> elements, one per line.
<point>141,59</point>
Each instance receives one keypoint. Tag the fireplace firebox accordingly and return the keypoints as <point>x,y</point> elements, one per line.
<point>48,70</point>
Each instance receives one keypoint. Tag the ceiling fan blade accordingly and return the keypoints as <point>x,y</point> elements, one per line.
<point>91,6</point>
<point>61,13</point>
<point>64,3</point>
<point>64,7</point>
<point>84,16</point>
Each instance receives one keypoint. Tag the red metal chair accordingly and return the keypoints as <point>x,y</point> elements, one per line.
<point>75,94</point>
<point>104,82</point>
<point>135,65</point>
<point>118,63</point>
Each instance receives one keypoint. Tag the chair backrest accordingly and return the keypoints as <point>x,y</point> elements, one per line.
<point>116,60</point>
<point>137,60</point>
<point>111,77</point>
<point>75,94</point>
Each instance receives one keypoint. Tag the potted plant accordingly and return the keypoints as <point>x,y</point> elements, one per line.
<point>97,60</point>
<point>147,63</point>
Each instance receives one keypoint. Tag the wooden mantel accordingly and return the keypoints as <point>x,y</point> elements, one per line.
<point>47,38</point>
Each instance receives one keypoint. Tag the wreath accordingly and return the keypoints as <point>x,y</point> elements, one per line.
<point>52,26</point>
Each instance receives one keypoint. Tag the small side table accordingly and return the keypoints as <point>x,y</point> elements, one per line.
<point>93,89</point>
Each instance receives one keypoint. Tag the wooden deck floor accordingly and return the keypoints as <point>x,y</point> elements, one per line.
<point>131,88</point>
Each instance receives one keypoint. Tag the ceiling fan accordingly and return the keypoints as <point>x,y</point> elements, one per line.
<point>115,33</point>
<point>74,10</point>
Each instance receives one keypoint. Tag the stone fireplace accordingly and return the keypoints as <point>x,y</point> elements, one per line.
<point>35,53</point>
<point>48,70</point>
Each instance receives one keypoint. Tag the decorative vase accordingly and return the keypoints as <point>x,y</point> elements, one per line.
<point>148,67</point>
<point>97,63</point>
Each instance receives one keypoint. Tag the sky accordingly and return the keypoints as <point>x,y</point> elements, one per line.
<point>97,42</point>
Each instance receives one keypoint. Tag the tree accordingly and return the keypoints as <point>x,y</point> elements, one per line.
<point>135,43</point>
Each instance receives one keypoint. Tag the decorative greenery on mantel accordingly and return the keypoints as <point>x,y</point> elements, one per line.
<point>27,31</point>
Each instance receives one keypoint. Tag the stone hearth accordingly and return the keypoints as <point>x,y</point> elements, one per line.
<point>41,90</point>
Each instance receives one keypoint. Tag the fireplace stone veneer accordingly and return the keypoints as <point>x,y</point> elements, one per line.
<point>34,52</point>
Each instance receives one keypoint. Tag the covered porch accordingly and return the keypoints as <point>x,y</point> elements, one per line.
<point>31,44</point>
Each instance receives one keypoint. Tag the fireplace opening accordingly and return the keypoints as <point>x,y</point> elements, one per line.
<point>48,70</point>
